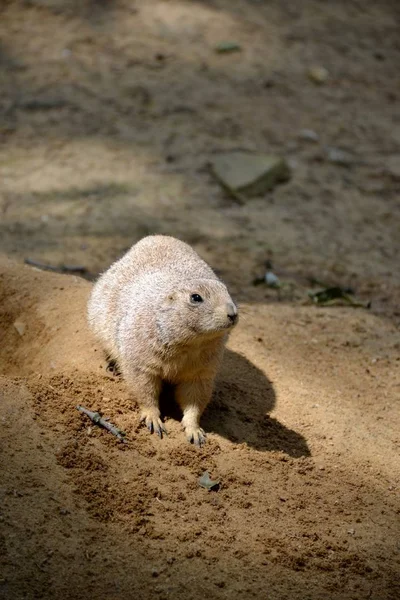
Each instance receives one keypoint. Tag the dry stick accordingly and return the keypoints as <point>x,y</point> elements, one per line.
<point>60,269</point>
<point>97,419</point>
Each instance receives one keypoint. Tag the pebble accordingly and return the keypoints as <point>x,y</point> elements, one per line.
<point>20,327</point>
<point>318,75</point>
<point>339,157</point>
<point>309,135</point>
<point>271,279</point>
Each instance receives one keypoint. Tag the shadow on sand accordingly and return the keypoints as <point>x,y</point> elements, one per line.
<point>242,399</point>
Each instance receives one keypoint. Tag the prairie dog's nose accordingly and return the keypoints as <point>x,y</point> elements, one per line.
<point>231,312</point>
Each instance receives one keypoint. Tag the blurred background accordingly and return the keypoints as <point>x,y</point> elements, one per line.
<point>111,111</point>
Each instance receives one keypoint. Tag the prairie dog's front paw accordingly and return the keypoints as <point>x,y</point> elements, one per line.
<point>153,422</point>
<point>195,435</point>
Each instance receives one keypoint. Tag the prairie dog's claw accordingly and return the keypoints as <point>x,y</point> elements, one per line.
<point>153,424</point>
<point>160,431</point>
<point>196,436</point>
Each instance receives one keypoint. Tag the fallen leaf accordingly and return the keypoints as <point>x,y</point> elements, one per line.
<point>333,294</point>
<point>225,47</point>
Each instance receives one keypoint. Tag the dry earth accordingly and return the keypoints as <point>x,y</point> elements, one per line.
<point>109,113</point>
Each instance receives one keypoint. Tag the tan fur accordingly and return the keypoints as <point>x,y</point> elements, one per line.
<point>142,312</point>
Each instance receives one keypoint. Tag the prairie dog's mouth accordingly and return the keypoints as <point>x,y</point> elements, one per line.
<point>228,324</point>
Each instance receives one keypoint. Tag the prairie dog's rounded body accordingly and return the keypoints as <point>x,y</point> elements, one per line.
<point>163,315</point>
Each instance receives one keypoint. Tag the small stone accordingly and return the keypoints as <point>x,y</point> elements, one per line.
<point>318,75</point>
<point>20,327</point>
<point>154,573</point>
<point>309,135</point>
<point>249,174</point>
<point>206,482</point>
<point>272,280</point>
<point>339,157</point>
<point>351,531</point>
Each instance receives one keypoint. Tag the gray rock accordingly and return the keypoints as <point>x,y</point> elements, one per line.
<point>318,75</point>
<point>308,135</point>
<point>339,157</point>
<point>272,280</point>
<point>249,174</point>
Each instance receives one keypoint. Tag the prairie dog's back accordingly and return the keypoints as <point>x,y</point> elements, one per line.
<point>165,254</point>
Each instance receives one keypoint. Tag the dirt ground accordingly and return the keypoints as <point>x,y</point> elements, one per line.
<point>109,115</point>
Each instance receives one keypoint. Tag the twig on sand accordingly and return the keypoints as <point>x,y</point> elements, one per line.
<point>56,269</point>
<point>97,419</point>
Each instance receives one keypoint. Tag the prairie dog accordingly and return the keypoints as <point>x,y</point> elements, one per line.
<point>164,316</point>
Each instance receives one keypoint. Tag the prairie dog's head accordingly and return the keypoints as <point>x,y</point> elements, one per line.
<point>200,308</point>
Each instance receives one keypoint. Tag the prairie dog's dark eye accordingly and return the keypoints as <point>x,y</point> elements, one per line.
<point>196,299</point>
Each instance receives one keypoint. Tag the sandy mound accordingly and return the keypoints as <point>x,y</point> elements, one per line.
<point>303,435</point>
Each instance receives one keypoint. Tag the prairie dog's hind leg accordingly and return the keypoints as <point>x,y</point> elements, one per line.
<point>193,398</point>
<point>146,390</point>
